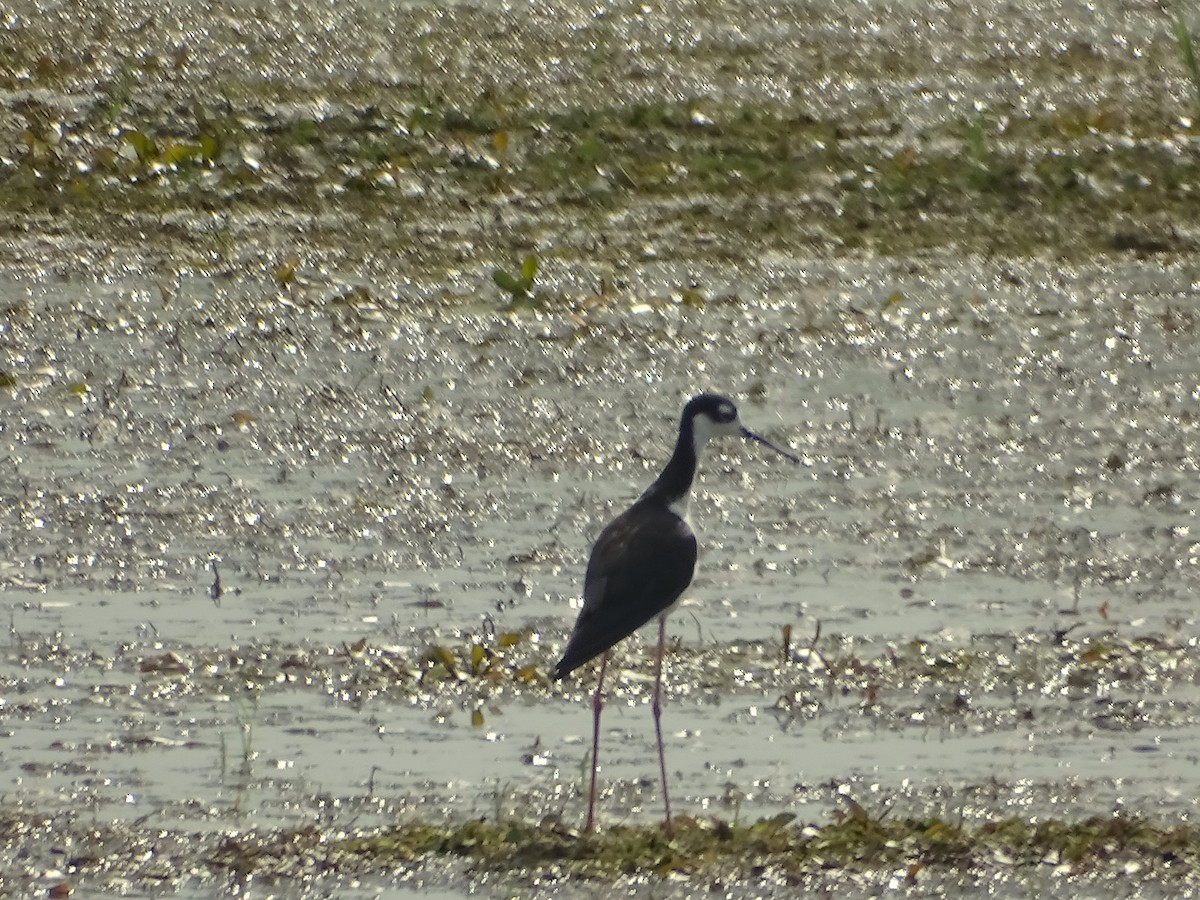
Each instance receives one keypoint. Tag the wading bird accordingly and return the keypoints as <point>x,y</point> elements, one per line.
<point>642,563</point>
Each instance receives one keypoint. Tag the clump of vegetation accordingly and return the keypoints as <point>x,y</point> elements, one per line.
<point>476,661</point>
<point>703,847</point>
<point>172,154</point>
<point>519,287</point>
<point>1187,50</point>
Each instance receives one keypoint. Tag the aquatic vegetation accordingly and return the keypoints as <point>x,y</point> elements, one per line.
<point>1187,50</point>
<point>285,273</point>
<point>117,93</point>
<point>702,850</point>
<point>477,661</point>
<point>921,683</point>
<point>173,154</point>
<point>712,846</point>
<point>519,286</point>
<point>247,709</point>
<point>1001,181</point>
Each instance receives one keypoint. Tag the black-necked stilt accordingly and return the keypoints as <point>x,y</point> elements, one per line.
<point>642,563</point>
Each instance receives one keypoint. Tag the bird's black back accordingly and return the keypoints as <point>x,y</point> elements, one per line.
<point>641,564</point>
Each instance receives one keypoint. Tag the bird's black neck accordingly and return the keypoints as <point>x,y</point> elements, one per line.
<point>675,480</point>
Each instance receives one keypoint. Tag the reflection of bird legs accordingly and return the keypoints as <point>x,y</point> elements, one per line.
<point>597,705</point>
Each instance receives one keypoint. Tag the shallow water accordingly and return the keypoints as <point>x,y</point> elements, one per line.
<point>977,463</point>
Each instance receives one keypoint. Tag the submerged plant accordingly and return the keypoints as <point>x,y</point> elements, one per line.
<point>476,661</point>
<point>1187,50</point>
<point>978,155</point>
<point>247,708</point>
<point>519,286</point>
<point>854,842</point>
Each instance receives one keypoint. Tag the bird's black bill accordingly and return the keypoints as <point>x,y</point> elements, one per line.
<point>747,433</point>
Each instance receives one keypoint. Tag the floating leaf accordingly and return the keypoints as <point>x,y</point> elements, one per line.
<point>354,298</point>
<point>529,270</point>
<point>477,718</point>
<point>526,673</point>
<point>38,148</point>
<point>144,147</point>
<point>500,141</point>
<point>286,273</point>
<point>440,655</point>
<point>1095,653</point>
<point>169,663</point>
<point>506,281</point>
<point>210,147</point>
<point>509,639</point>
<point>478,655</point>
<point>910,877</point>
<point>178,153</point>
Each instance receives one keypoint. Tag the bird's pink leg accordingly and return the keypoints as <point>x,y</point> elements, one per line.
<point>597,705</point>
<point>657,709</point>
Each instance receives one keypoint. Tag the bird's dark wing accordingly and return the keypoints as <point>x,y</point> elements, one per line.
<point>642,562</point>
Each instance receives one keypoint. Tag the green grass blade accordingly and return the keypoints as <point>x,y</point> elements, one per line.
<point>1187,50</point>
